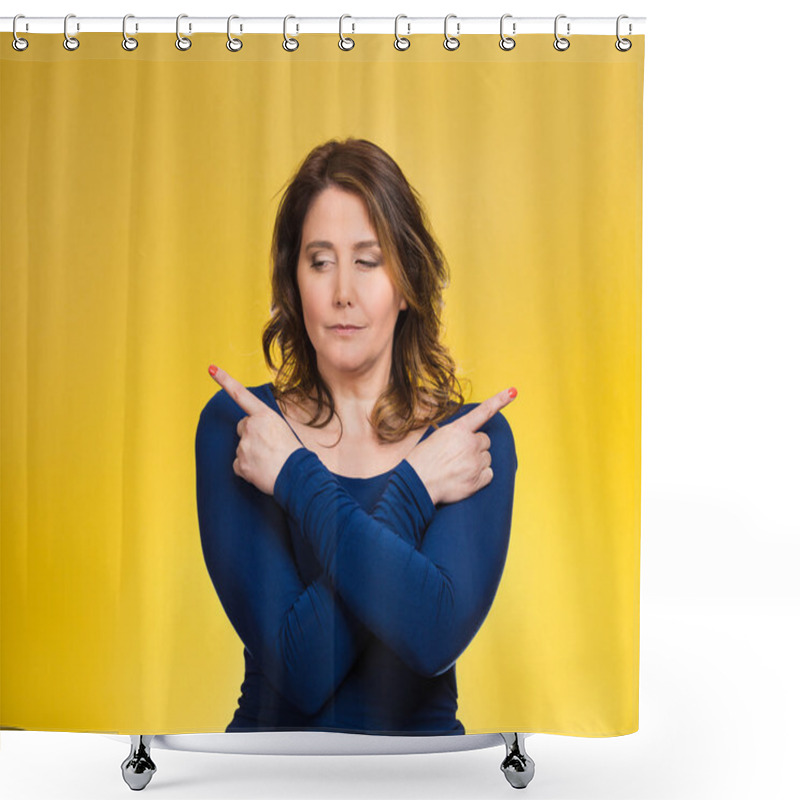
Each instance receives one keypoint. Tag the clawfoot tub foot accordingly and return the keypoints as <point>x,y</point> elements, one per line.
<point>517,766</point>
<point>138,767</point>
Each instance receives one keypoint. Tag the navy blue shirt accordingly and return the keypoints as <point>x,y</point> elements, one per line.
<point>353,597</point>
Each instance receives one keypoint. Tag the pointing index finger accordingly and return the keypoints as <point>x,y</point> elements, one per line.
<point>242,396</point>
<point>481,414</point>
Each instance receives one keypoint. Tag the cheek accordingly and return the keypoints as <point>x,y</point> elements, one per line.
<point>312,300</point>
<point>386,299</point>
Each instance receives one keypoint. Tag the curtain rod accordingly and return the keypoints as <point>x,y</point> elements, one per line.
<point>407,26</point>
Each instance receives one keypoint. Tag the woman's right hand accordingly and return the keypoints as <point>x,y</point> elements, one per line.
<point>454,461</point>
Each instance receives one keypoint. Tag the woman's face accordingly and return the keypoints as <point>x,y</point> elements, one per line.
<point>344,280</point>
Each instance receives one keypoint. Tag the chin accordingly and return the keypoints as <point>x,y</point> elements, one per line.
<point>342,363</point>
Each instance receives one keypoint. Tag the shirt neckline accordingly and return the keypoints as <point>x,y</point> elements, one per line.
<point>268,390</point>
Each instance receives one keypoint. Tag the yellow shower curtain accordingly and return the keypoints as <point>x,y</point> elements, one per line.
<point>139,190</point>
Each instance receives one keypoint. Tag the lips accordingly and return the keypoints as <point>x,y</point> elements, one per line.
<point>346,327</point>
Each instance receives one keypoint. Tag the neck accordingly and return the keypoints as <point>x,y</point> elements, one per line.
<point>354,397</point>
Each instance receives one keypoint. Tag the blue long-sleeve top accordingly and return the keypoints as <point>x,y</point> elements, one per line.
<point>353,596</point>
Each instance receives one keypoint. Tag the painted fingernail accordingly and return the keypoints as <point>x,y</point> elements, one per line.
<point>213,370</point>
<point>512,392</point>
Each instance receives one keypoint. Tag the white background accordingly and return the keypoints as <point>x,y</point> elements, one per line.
<point>719,616</point>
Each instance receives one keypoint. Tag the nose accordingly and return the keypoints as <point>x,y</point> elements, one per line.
<point>342,289</point>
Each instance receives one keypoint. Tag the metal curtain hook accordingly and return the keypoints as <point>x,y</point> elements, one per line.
<point>182,43</point>
<point>18,43</point>
<point>506,42</point>
<point>345,42</point>
<point>451,42</point>
<point>234,45</point>
<point>70,42</point>
<point>400,42</point>
<point>561,43</point>
<point>128,42</point>
<point>623,45</point>
<point>289,43</point>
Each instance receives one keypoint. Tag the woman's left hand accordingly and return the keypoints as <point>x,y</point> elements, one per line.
<point>265,440</point>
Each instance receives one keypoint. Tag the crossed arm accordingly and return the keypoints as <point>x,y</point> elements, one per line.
<point>422,579</point>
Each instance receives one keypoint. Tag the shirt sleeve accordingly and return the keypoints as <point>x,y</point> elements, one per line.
<point>289,628</point>
<point>405,506</point>
<point>425,603</point>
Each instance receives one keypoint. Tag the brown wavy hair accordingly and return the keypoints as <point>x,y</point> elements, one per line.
<point>423,388</point>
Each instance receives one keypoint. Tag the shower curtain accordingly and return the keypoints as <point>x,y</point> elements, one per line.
<point>139,196</point>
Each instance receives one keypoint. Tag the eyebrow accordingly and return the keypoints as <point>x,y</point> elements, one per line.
<point>357,246</point>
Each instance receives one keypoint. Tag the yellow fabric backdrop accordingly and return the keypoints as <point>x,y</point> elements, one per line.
<point>138,195</point>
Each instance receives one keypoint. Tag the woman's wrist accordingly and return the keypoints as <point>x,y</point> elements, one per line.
<point>427,480</point>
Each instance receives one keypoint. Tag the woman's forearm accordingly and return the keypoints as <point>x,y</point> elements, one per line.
<point>426,606</point>
<point>405,507</point>
<point>290,628</point>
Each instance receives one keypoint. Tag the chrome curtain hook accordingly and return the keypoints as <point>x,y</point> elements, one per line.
<point>128,42</point>
<point>18,43</point>
<point>70,42</point>
<point>623,45</point>
<point>401,43</point>
<point>234,45</point>
<point>451,42</point>
<point>182,43</point>
<point>289,43</point>
<point>506,42</point>
<point>561,43</point>
<point>345,42</point>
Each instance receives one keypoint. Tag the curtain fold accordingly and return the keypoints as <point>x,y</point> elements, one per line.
<point>139,193</point>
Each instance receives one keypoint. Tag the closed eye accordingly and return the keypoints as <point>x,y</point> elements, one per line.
<point>317,264</point>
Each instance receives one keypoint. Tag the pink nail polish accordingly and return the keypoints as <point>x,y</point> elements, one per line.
<point>512,392</point>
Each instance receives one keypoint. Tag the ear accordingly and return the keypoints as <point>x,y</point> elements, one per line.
<point>403,304</point>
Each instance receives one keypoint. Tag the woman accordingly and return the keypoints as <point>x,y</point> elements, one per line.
<point>355,558</point>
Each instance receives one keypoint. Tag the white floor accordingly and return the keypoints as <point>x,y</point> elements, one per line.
<point>719,701</point>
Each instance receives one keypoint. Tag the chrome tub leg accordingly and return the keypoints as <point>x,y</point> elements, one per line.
<point>517,766</point>
<point>138,768</point>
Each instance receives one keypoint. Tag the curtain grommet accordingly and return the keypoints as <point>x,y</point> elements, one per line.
<point>233,44</point>
<point>290,44</point>
<point>71,42</point>
<point>507,42</point>
<point>623,45</point>
<point>345,42</point>
<point>129,43</point>
<point>561,44</point>
<point>182,42</point>
<point>451,42</point>
<point>18,43</point>
<point>400,42</point>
